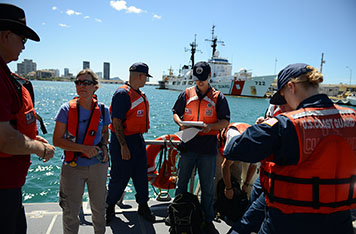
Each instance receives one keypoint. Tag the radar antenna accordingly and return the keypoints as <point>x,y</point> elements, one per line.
<point>214,40</point>
<point>193,49</point>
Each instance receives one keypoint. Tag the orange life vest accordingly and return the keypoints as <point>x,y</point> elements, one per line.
<point>324,179</point>
<point>241,127</point>
<point>73,126</point>
<point>136,119</point>
<point>201,110</point>
<point>25,119</point>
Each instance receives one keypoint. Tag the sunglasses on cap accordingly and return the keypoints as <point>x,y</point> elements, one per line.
<point>84,82</point>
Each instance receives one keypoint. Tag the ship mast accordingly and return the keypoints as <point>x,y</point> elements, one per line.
<point>214,41</point>
<point>193,49</point>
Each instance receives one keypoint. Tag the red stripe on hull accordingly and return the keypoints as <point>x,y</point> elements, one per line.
<point>237,87</point>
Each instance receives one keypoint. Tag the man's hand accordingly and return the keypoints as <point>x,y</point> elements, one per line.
<point>48,152</point>
<point>229,193</point>
<point>125,153</point>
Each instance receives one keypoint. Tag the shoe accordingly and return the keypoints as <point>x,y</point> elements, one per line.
<point>146,213</point>
<point>110,213</point>
<point>210,228</point>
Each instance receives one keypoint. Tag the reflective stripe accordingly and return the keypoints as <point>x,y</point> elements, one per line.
<point>192,99</point>
<point>209,100</point>
<point>151,175</point>
<point>322,113</point>
<point>137,102</point>
<point>150,169</point>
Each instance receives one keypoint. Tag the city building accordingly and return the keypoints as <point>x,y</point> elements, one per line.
<point>55,72</point>
<point>86,64</point>
<point>106,71</point>
<point>44,74</point>
<point>26,66</point>
<point>100,75</point>
<point>66,72</point>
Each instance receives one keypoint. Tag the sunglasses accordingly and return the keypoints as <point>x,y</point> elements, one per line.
<point>84,82</point>
<point>24,40</point>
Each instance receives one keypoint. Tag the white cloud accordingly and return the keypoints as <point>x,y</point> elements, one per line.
<point>54,8</point>
<point>72,12</point>
<point>43,23</point>
<point>63,25</point>
<point>98,20</point>
<point>86,17</point>
<point>118,5</point>
<point>133,9</point>
<point>121,5</point>
<point>157,16</point>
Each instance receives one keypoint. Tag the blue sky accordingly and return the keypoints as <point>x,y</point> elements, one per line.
<point>255,34</point>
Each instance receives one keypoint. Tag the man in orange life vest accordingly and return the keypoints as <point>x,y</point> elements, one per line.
<point>18,132</point>
<point>129,113</point>
<point>309,181</point>
<point>201,103</point>
<point>246,180</point>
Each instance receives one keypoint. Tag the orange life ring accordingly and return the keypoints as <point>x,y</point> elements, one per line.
<point>165,177</point>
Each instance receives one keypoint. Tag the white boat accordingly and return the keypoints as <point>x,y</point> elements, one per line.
<point>351,99</point>
<point>241,83</point>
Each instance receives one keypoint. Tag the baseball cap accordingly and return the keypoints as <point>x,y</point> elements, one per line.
<point>201,71</point>
<point>140,67</point>
<point>284,76</point>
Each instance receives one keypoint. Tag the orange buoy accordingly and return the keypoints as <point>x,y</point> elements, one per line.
<point>164,177</point>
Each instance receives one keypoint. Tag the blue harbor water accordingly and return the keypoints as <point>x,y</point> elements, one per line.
<point>42,183</point>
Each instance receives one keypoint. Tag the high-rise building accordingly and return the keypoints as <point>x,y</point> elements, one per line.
<point>106,71</point>
<point>86,64</point>
<point>66,72</point>
<point>26,66</point>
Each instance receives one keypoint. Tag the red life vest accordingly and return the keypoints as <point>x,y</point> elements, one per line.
<point>73,126</point>
<point>324,179</point>
<point>201,110</point>
<point>25,119</point>
<point>15,167</point>
<point>136,119</point>
<point>241,127</point>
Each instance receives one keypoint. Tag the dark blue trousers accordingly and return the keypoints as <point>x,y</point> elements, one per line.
<point>253,218</point>
<point>123,170</point>
<point>12,212</point>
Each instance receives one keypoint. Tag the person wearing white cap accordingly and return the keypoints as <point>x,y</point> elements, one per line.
<point>18,130</point>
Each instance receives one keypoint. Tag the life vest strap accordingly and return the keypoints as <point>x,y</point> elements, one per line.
<point>315,182</point>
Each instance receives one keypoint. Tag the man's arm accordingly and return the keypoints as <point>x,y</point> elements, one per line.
<point>225,170</point>
<point>222,123</point>
<point>104,142</point>
<point>119,133</point>
<point>250,172</point>
<point>15,143</point>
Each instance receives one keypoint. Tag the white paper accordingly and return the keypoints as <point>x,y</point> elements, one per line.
<point>187,134</point>
<point>193,124</point>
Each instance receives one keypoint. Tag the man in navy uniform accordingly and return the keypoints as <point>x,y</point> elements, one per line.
<point>201,103</point>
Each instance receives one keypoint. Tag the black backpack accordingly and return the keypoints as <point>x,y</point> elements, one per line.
<point>233,209</point>
<point>185,215</point>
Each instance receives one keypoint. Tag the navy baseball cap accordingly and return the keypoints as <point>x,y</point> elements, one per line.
<point>201,71</point>
<point>284,76</point>
<point>140,67</point>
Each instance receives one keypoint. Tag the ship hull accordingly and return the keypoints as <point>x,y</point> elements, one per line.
<point>252,87</point>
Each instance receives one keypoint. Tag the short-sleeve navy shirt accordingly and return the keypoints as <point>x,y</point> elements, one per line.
<point>206,144</point>
<point>120,105</point>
